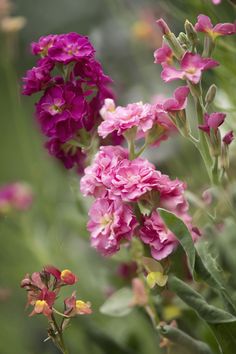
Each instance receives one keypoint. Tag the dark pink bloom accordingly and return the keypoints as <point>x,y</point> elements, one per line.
<point>212,121</point>
<point>15,196</point>
<point>221,29</point>
<point>179,100</point>
<point>70,47</point>
<point>191,68</point>
<point>121,119</point>
<point>67,153</point>
<point>110,222</point>
<point>164,28</point>
<point>229,137</point>
<point>61,111</point>
<point>163,55</point>
<point>38,77</point>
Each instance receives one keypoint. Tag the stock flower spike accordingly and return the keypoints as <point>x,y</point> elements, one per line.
<point>221,29</point>
<point>191,68</point>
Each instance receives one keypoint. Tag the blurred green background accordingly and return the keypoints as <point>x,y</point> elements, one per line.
<point>53,231</point>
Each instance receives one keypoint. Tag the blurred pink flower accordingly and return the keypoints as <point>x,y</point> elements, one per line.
<point>229,137</point>
<point>15,196</point>
<point>191,68</point>
<point>221,29</point>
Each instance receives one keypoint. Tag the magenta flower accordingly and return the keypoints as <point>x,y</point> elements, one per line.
<point>191,68</point>
<point>70,47</point>
<point>61,111</point>
<point>38,77</point>
<point>221,29</point>
<point>41,47</point>
<point>228,138</point>
<point>121,119</point>
<point>163,55</point>
<point>15,196</point>
<point>69,154</point>
<point>162,241</point>
<point>212,121</point>
<point>110,222</point>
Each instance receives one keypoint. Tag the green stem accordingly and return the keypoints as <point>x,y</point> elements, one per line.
<point>59,336</point>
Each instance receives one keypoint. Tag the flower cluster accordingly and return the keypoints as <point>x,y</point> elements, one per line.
<point>16,196</point>
<point>119,183</point>
<point>43,289</point>
<point>71,100</point>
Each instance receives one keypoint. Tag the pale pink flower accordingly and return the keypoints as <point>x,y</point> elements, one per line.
<point>221,29</point>
<point>163,55</point>
<point>110,222</point>
<point>191,68</point>
<point>121,119</point>
<point>108,157</point>
<point>216,2</point>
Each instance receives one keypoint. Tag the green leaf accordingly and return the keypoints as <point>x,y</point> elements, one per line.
<point>178,227</point>
<point>118,304</point>
<point>183,340</point>
<point>208,269</point>
<point>222,323</point>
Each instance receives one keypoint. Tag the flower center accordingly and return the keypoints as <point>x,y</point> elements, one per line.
<point>191,70</point>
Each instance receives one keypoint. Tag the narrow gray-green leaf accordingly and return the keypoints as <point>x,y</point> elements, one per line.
<point>222,323</point>
<point>178,227</point>
<point>119,303</point>
<point>183,340</point>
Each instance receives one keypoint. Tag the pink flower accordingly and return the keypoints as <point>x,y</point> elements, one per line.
<point>178,101</point>
<point>191,68</point>
<point>38,77</point>
<point>216,2</point>
<point>221,29</point>
<point>110,222</point>
<point>95,176</point>
<point>162,241</point>
<point>62,277</point>
<point>163,55</point>
<point>44,302</point>
<point>229,137</point>
<point>212,121</point>
<point>15,196</point>
<point>164,28</point>
<point>120,119</point>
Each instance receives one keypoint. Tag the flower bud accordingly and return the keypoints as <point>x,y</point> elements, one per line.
<point>68,277</point>
<point>183,40</point>
<point>164,28</point>
<point>191,32</point>
<point>228,138</point>
<point>211,93</point>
